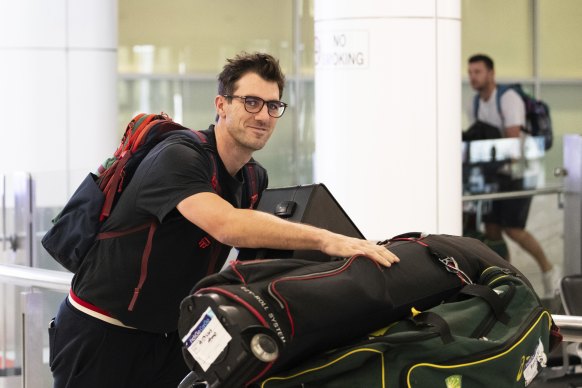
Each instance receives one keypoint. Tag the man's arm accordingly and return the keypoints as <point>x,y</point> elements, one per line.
<point>255,229</point>
<point>513,109</point>
<point>513,131</point>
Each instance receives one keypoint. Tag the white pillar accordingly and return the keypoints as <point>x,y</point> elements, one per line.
<point>388,119</point>
<point>58,101</point>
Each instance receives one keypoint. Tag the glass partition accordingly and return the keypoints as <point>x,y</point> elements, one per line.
<point>172,67</point>
<point>505,170</point>
<point>526,39</point>
<point>28,205</point>
<point>24,311</point>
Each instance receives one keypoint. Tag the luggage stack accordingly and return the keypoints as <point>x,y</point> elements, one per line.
<point>260,317</point>
<point>255,321</point>
<point>496,334</point>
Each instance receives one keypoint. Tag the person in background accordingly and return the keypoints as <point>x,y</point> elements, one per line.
<point>508,216</point>
<point>107,332</point>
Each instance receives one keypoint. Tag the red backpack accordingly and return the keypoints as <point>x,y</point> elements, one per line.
<point>77,226</point>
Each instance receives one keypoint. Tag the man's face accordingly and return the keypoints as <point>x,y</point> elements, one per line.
<point>250,130</point>
<point>480,76</point>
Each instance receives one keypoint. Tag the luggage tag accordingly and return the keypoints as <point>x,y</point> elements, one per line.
<point>206,339</point>
<point>534,363</point>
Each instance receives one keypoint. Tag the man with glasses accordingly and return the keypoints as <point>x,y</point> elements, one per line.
<point>105,336</point>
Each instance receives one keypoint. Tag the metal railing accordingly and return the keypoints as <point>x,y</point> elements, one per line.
<point>570,327</point>
<point>479,199</point>
<point>35,277</point>
<point>515,194</point>
<point>32,323</point>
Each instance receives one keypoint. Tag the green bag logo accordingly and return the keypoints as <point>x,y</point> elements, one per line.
<point>454,381</point>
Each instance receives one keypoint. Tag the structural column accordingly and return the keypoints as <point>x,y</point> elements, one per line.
<point>388,112</point>
<point>57,90</point>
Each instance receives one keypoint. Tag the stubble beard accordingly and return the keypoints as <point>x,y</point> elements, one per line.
<point>478,86</point>
<point>247,139</point>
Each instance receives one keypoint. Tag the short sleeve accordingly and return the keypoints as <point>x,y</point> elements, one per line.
<point>172,172</point>
<point>513,109</point>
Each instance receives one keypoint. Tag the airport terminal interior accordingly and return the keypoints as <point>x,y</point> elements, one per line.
<point>167,57</point>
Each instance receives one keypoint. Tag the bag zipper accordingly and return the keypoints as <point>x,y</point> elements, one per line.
<point>280,300</point>
<point>488,275</point>
<point>271,289</point>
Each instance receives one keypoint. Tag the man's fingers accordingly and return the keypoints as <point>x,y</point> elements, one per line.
<point>348,246</point>
<point>392,257</point>
<point>383,256</point>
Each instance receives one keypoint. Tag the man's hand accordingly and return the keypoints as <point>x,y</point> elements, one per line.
<point>342,246</point>
<point>514,131</point>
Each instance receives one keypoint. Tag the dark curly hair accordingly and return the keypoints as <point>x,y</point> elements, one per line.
<point>265,65</point>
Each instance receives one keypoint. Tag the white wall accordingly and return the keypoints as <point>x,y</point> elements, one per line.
<point>387,97</point>
<point>58,102</point>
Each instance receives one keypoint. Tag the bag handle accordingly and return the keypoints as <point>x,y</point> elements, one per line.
<point>447,261</point>
<point>436,324</point>
<point>496,302</point>
<point>440,326</point>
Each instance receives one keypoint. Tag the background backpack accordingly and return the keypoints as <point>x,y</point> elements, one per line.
<point>77,226</point>
<point>537,113</point>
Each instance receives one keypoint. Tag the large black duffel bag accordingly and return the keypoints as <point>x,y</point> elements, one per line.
<point>259,317</point>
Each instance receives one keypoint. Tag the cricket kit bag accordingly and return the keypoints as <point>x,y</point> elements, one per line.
<point>495,333</point>
<point>257,318</point>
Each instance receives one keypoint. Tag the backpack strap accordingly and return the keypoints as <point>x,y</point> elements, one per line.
<point>251,177</point>
<point>211,151</point>
<point>501,89</point>
<point>476,106</point>
<point>250,171</point>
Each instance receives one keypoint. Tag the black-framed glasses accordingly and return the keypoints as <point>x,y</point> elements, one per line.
<point>255,104</point>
